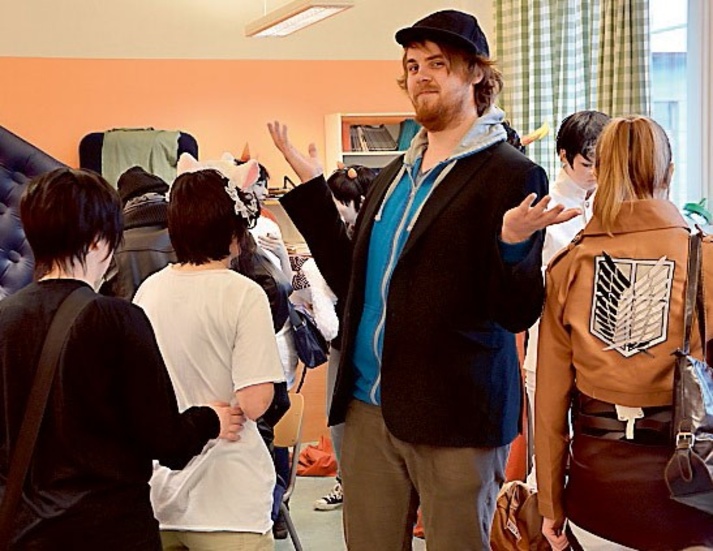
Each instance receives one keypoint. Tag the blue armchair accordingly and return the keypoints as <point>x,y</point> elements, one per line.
<point>19,162</point>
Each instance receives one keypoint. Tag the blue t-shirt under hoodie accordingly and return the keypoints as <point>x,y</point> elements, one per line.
<point>390,231</point>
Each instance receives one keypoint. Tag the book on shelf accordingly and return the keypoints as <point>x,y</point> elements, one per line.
<point>378,138</point>
<point>354,139</point>
<point>365,137</point>
<point>363,144</point>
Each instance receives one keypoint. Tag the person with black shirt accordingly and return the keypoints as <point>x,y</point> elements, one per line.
<point>146,246</point>
<point>112,409</point>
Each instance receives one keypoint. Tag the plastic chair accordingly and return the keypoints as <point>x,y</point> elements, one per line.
<point>288,434</point>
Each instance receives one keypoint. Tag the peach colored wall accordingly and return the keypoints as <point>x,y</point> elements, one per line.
<point>53,103</point>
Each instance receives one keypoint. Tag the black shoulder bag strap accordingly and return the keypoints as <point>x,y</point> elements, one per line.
<point>700,300</point>
<point>682,419</point>
<point>693,276</point>
<point>296,321</point>
<point>57,335</point>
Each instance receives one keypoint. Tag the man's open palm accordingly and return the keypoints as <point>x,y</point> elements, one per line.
<point>520,222</point>
<point>305,166</point>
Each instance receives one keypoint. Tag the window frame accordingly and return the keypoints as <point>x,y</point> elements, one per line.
<point>700,101</point>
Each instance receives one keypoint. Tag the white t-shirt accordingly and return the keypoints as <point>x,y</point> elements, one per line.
<point>285,338</point>
<point>215,334</point>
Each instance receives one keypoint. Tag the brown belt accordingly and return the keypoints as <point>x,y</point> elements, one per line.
<point>597,418</point>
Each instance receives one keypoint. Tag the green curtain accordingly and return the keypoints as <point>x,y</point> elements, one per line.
<point>553,59</point>
<point>624,57</point>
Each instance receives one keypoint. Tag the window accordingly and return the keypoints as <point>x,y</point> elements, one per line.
<point>669,89</point>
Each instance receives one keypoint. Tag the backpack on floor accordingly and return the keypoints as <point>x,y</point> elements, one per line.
<point>517,524</point>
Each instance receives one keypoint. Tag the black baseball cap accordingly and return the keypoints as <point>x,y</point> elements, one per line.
<point>451,26</point>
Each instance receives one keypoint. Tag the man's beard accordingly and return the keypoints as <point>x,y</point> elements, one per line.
<point>436,116</point>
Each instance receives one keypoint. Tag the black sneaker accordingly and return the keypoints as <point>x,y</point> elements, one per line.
<point>279,528</point>
<point>333,500</point>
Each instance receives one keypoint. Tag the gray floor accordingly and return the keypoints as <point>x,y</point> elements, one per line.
<point>318,530</point>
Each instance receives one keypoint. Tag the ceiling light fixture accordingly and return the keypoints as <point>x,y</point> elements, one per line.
<point>295,16</point>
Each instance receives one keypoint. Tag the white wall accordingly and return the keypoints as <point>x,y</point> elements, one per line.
<point>207,29</point>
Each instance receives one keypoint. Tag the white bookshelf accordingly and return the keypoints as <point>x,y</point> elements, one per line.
<point>338,149</point>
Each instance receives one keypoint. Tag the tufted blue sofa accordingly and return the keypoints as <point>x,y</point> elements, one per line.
<point>19,162</point>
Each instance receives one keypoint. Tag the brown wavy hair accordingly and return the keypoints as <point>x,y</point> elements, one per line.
<point>633,161</point>
<point>466,64</point>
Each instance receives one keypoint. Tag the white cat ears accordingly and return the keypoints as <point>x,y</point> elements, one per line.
<point>241,176</point>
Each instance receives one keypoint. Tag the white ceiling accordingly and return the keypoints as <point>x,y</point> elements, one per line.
<point>207,29</point>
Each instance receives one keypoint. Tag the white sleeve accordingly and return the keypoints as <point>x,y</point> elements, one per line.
<point>554,241</point>
<point>255,357</point>
<point>276,230</point>
<point>323,301</point>
<point>271,227</point>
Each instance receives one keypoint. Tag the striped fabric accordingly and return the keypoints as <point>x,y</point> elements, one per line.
<point>550,55</point>
<point>624,57</point>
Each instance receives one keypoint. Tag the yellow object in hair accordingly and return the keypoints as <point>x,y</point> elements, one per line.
<point>538,134</point>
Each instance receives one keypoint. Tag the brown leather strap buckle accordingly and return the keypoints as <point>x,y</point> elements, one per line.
<point>685,440</point>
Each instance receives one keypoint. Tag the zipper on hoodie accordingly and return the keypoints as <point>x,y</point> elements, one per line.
<point>391,265</point>
<point>390,192</point>
<point>387,277</point>
<point>438,180</point>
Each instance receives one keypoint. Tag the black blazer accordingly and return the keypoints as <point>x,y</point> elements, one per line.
<point>449,373</point>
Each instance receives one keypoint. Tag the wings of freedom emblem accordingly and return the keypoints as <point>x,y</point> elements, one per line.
<point>631,303</point>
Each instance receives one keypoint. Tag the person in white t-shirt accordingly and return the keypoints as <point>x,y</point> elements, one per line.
<point>214,329</point>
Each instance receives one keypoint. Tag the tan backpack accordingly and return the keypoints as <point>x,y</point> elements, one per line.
<point>517,524</point>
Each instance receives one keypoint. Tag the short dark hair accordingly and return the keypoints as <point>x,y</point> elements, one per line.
<point>346,189</point>
<point>64,212</point>
<point>202,221</point>
<point>579,132</point>
<point>484,92</point>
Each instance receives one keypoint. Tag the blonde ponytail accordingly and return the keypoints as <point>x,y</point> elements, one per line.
<point>632,162</point>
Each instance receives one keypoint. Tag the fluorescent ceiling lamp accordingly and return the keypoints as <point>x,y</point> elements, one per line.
<point>295,16</point>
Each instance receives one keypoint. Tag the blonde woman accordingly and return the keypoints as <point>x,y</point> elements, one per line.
<point>613,316</point>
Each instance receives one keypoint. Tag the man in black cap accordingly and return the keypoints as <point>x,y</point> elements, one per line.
<point>443,269</point>
<point>146,247</point>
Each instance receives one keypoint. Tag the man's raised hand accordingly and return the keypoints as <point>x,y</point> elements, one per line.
<point>307,166</point>
<point>520,222</point>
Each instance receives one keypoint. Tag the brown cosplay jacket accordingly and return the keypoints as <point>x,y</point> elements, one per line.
<point>613,316</point>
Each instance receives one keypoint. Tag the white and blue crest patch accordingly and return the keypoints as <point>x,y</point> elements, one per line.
<point>631,303</point>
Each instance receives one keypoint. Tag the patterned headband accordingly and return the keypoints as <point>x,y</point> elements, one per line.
<point>246,204</point>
